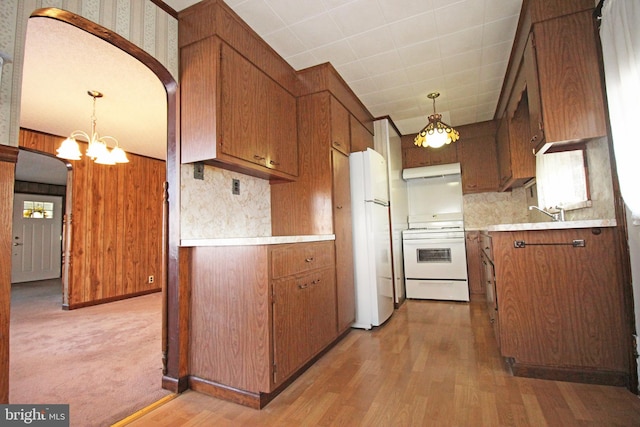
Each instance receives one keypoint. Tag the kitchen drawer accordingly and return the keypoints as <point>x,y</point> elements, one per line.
<point>300,257</point>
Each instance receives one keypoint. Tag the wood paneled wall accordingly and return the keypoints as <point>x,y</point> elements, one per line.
<point>116,225</point>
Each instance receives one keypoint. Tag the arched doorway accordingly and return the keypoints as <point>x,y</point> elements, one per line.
<point>170,86</point>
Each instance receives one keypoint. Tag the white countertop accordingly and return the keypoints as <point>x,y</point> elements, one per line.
<point>555,225</point>
<point>255,241</point>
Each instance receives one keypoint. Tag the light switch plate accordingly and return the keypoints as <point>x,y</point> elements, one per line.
<point>198,170</point>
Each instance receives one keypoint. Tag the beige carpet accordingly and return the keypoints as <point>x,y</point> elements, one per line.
<point>105,361</point>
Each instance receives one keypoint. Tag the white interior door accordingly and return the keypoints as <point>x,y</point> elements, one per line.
<point>37,237</point>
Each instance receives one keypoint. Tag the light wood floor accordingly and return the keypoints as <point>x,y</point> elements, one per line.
<point>432,364</point>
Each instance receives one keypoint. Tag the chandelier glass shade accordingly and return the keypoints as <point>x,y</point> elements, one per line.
<point>98,149</point>
<point>436,133</point>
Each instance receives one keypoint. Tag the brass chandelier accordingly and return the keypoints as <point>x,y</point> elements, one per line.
<point>98,150</point>
<point>436,133</point>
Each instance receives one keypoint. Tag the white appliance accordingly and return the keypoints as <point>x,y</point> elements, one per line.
<point>386,141</point>
<point>371,239</point>
<point>435,260</point>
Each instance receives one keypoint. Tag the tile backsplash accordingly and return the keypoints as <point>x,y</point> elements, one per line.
<point>484,209</point>
<point>209,210</point>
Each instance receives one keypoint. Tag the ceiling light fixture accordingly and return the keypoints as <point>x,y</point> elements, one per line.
<point>436,133</point>
<point>97,150</point>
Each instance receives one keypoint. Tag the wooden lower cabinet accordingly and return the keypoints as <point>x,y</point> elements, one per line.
<point>561,306</point>
<point>258,316</point>
<point>304,320</point>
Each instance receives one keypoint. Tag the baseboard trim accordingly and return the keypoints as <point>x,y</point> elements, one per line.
<point>255,400</point>
<point>224,392</point>
<point>175,385</point>
<point>107,300</point>
<point>576,375</point>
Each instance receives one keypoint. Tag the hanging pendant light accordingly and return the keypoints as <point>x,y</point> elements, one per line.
<point>436,133</point>
<point>98,150</point>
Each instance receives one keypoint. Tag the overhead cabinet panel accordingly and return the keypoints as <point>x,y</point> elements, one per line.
<point>569,76</point>
<point>234,115</point>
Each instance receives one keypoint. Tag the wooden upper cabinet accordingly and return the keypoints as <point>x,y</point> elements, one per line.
<point>340,132</point>
<point>516,161</point>
<point>478,157</point>
<point>234,115</point>
<point>361,138</point>
<point>564,83</point>
<point>414,156</point>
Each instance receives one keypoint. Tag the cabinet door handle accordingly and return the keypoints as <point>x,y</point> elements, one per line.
<point>315,282</point>
<point>337,143</point>
<point>273,162</point>
<point>303,286</point>
<point>339,207</point>
<point>258,157</point>
<point>310,259</point>
<point>534,138</point>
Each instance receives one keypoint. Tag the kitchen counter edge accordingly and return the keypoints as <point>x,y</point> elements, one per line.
<point>559,225</point>
<point>256,241</point>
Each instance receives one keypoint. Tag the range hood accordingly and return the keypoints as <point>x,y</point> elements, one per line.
<point>431,171</point>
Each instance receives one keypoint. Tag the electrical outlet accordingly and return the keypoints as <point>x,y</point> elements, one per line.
<point>151,279</point>
<point>235,186</point>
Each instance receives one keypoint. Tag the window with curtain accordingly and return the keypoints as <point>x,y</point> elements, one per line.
<point>620,37</point>
<point>562,180</point>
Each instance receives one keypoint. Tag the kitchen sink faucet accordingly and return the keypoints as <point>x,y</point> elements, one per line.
<point>558,216</point>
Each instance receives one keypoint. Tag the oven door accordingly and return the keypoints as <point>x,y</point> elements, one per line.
<point>435,258</point>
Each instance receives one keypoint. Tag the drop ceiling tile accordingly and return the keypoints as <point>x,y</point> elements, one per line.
<point>259,16</point>
<point>463,41</point>
<point>357,17</point>
<point>419,53</point>
<point>499,31</point>
<point>293,11</point>
<point>462,91</point>
<point>492,71</point>
<point>416,29</point>
<point>424,71</point>
<point>317,31</point>
<point>396,10</point>
<point>380,64</point>
<point>490,85</point>
<point>498,9</point>
<point>462,62</point>
<point>363,86</point>
<point>470,76</point>
<point>332,4</point>
<point>458,16</point>
<point>424,87</point>
<point>302,61</point>
<point>352,71</point>
<point>391,79</point>
<point>285,42</point>
<point>496,53</point>
<point>372,42</point>
<point>337,53</point>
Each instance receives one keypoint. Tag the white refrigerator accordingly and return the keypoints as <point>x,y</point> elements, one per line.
<point>371,239</point>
